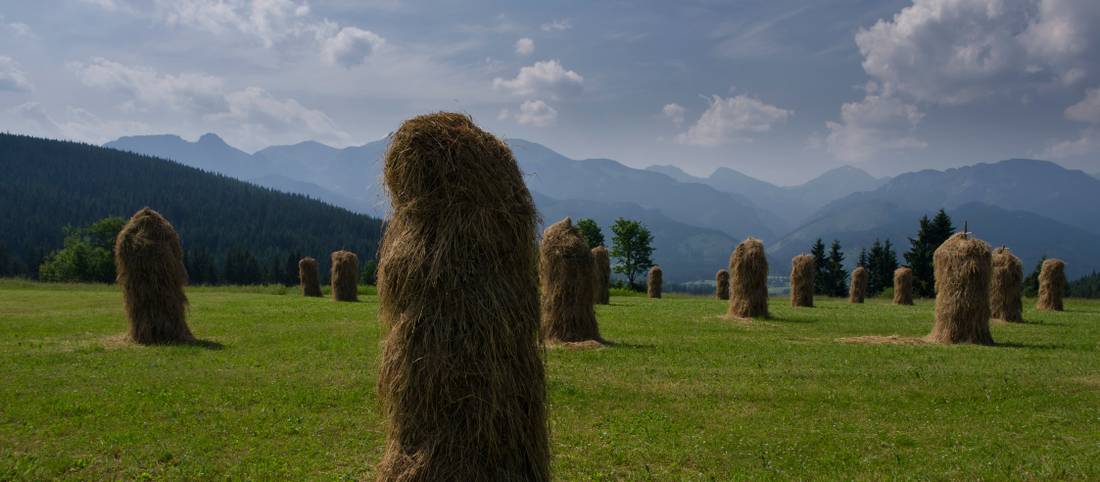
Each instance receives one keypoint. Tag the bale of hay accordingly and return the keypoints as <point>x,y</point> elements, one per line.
<point>962,267</point>
<point>309,277</point>
<point>565,267</point>
<point>722,284</point>
<point>461,382</point>
<point>345,276</point>
<point>1052,285</point>
<point>149,263</point>
<point>748,280</point>
<point>803,277</point>
<point>1006,289</point>
<point>903,286</point>
<point>653,282</point>
<point>857,289</point>
<point>601,266</point>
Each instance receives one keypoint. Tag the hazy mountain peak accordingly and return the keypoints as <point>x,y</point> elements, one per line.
<point>211,138</point>
<point>673,172</point>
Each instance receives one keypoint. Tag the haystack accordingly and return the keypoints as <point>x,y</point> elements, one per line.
<point>1006,289</point>
<point>601,265</point>
<point>722,284</point>
<point>1052,285</point>
<point>345,276</point>
<point>748,280</point>
<point>461,381</point>
<point>565,278</point>
<point>857,289</point>
<point>309,277</point>
<point>963,267</point>
<point>903,286</point>
<point>803,274</point>
<point>653,282</point>
<point>149,262</point>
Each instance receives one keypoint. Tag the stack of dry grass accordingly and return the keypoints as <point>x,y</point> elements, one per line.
<point>462,380</point>
<point>903,286</point>
<point>565,278</point>
<point>963,267</point>
<point>149,262</point>
<point>857,289</point>
<point>748,280</point>
<point>803,277</point>
<point>601,264</point>
<point>1006,289</point>
<point>1052,285</point>
<point>309,277</point>
<point>722,284</point>
<point>345,276</point>
<point>653,282</point>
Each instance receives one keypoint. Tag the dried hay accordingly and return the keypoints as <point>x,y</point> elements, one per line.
<point>803,278</point>
<point>1006,288</point>
<point>149,262</point>
<point>748,280</point>
<point>963,267</point>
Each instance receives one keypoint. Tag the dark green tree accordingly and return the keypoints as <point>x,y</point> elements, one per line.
<point>862,260</point>
<point>369,272</point>
<point>591,232</point>
<point>87,255</point>
<point>1031,283</point>
<point>837,276</point>
<point>632,248</point>
<point>932,233</point>
<point>881,263</point>
<point>1085,287</point>
<point>821,285</point>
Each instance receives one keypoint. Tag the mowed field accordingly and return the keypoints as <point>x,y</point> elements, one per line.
<point>283,387</point>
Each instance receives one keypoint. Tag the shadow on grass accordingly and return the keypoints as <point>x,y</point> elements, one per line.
<point>619,344</point>
<point>197,343</point>
<point>1030,346</point>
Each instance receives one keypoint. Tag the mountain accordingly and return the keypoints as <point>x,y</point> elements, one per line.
<point>209,153</point>
<point>49,184</point>
<point>353,173</point>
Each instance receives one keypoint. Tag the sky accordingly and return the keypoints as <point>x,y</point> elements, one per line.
<point>780,90</point>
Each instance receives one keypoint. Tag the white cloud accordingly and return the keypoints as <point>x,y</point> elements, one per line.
<point>557,25</point>
<point>675,113</point>
<point>254,104</point>
<point>532,112</point>
<point>145,88</point>
<point>525,46</point>
<point>875,124</point>
<point>545,77</point>
<point>1087,111</point>
<point>350,46</point>
<point>733,119</point>
<point>31,118</point>
<point>12,77</point>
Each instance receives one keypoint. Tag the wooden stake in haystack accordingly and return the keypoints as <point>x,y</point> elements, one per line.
<point>803,274</point>
<point>309,277</point>
<point>903,286</point>
<point>565,278</point>
<point>748,280</point>
<point>345,276</point>
<point>653,282</point>
<point>462,381</point>
<point>963,268</point>
<point>601,265</point>
<point>1006,289</point>
<point>149,262</point>
<point>857,289</point>
<point>722,284</point>
<point>1052,285</point>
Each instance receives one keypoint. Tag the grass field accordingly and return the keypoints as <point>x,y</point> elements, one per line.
<point>284,388</point>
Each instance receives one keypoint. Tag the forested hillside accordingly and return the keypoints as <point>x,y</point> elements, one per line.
<point>46,185</point>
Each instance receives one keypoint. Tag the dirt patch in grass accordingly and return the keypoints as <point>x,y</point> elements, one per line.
<point>883,340</point>
<point>577,345</point>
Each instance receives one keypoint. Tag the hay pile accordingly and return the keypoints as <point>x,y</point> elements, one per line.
<point>565,278</point>
<point>149,262</point>
<point>857,289</point>
<point>345,276</point>
<point>1006,288</point>
<point>722,284</point>
<point>903,286</point>
<point>963,267</point>
<point>653,282</point>
<point>309,277</point>
<point>461,381</point>
<point>1052,285</point>
<point>601,264</point>
<point>748,280</point>
<point>803,277</point>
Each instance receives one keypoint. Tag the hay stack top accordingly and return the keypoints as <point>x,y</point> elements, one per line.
<point>562,239</point>
<point>147,234</point>
<point>962,247</point>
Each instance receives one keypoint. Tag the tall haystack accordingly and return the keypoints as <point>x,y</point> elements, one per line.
<point>963,267</point>
<point>903,286</point>
<point>803,274</point>
<point>857,289</point>
<point>565,278</point>
<point>345,276</point>
<point>601,264</point>
<point>461,380</point>
<point>748,280</point>
<point>309,277</point>
<point>1006,289</point>
<point>149,262</point>
<point>1052,285</point>
<point>722,284</point>
<point>653,282</point>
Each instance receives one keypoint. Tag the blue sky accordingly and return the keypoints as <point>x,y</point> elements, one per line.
<point>781,90</point>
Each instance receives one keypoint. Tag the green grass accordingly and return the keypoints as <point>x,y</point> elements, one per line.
<point>286,390</point>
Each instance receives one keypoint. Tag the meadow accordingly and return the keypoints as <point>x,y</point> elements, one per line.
<point>283,387</point>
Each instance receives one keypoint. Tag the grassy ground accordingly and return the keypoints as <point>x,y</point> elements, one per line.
<point>284,389</point>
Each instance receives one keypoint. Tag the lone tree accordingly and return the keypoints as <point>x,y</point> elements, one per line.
<point>821,269</point>
<point>591,232</point>
<point>632,247</point>
<point>933,232</point>
<point>836,277</point>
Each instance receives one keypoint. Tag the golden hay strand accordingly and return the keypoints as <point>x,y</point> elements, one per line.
<point>149,261</point>
<point>963,267</point>
<point>308,277</point>
<point>748,280</point>
<point>461,380</point>
<point>1006,288</point>
<point>345,276</point>
<point>565,267</point>
<point>803,274</point>
<point>722,284</point>
<point>1052,285</point>
<point>903,286</point>
<point>601,266</point>
<point>857,289</point>
<point>653,282</point>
